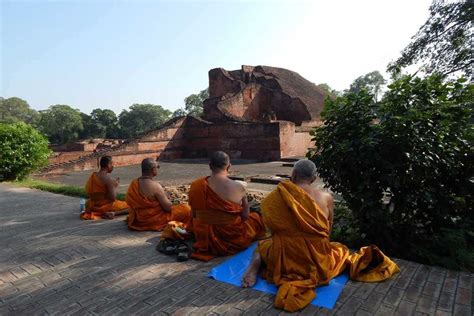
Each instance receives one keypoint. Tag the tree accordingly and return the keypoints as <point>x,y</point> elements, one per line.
<point>372,82</point>
<point>14,110</point>
<point>404,166</point>
<point>22,150</point>
<point>61,123</point>
<point>330,91</point>
<point>179,112</point>
<point>104,123</point>
<point>141,118</point>
<point>444,43</point>
<point>88,127</point>
<point>194,104</point>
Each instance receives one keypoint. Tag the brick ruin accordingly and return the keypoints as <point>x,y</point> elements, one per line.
<point>260,113</point>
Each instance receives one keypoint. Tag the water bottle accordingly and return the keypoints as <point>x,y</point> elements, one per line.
<point>83,205</point>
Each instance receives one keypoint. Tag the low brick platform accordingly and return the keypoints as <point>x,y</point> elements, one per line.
<point>53,263</point>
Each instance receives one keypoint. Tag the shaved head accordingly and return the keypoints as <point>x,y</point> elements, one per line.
<point>219,161</point>
<point>147,165</point>
<point>304,170</point>
<point>104,161</point>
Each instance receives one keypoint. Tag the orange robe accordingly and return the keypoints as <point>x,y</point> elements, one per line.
<point>98,203</point>
<point>147,214</point>
<point>299,256</point>
<point>218,227</point>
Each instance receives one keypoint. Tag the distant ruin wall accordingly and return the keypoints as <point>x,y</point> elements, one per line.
<point>195,138</point>
<point>61,157</point>
<point>259,141</point>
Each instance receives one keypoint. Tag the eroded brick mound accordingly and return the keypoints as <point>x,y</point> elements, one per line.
<point>180,193</point>
<point>262,94</point>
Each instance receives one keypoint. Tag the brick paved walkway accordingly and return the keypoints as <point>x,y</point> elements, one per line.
<point>53,263</point>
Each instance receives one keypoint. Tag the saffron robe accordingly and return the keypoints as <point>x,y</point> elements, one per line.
<point>218,227</point>
<point>147,214</point>
<point>299,256</point>
<point>98,203</point>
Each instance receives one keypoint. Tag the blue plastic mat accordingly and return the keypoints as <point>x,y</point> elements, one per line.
<point>232,270</point>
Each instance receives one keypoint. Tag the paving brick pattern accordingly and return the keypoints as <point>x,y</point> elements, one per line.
<point>53,263</point>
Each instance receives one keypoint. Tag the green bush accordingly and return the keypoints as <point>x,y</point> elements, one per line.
<point>22,150</point>
<point>404,166</point>
<point>345,229</point>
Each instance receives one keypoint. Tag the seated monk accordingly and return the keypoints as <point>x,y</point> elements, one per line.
<point>299,256</point>
<point>150,208</point>
<point>102,191</point>
<point>222,224</point>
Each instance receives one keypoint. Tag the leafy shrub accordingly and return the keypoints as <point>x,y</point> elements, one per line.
<point>404,166</point>
<point>22,150</point>
<point>345,228</point>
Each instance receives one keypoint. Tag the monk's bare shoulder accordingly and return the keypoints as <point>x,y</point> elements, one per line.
<point>105,178</point>
<point>240,185</point>
<point>157,187</point>
<point>327,198</point>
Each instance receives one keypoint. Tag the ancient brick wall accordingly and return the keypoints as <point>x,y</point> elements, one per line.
<point>195,138</point>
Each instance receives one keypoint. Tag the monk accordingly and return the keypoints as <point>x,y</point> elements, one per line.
<point>102,191</point>
<point>150,208</point>
<point>299,256</point>
<point>222,223</point>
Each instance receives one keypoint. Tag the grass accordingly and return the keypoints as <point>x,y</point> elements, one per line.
<point>64,189</point>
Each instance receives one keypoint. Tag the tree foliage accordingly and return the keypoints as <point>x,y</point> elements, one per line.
<point>22,150</point>
<point>103,124</point>
<point>194,104</point>
<point>141,118</point>
<point>404,166</point>
<point>372,82</point>
<point>330,91</point>
<point>178,113</point>
<point>14,110</point>
<point>444,43</point>
<point>61,123</point>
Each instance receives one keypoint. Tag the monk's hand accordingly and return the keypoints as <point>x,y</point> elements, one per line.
<point>117,182</point>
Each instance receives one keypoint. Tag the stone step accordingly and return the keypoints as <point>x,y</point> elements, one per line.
<point>291,159</point>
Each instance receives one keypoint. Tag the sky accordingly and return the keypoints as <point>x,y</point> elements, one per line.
<point>111,54</point>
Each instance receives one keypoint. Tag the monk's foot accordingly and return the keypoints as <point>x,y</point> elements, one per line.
<point>250,276</point>
<point>108,215</point>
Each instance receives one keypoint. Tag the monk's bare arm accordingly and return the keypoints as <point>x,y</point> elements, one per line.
<point>162,198</point>
<point>245,203</point>
<point>330,206</point>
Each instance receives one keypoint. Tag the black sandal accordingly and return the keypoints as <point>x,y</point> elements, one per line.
<point>167,246</point>
<point>183,252</point>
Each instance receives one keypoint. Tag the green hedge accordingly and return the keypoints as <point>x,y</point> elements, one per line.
<point>404,166</point>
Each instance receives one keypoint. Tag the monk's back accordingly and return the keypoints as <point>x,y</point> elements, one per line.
<point>320,197</point>
<point>104,178</point>
<point>227,189</point>
<point>147,188</point>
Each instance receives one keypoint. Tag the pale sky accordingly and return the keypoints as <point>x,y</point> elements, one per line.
<point>111,54</point>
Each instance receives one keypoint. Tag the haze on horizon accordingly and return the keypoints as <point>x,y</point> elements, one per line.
<point>111,54</point>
